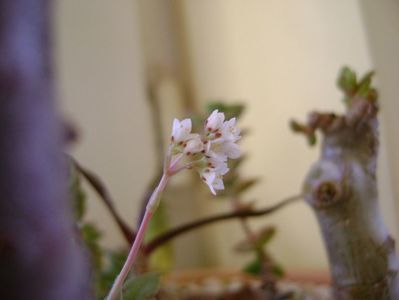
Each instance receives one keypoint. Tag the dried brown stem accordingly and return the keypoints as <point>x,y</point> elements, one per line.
<point>169,235</point>
<point>105,196</point>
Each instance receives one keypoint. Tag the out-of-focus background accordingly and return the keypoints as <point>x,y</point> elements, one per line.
<point>280,58</point>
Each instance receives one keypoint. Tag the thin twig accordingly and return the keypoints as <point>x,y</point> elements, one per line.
<point>170,234</point>
<point>102,191</point>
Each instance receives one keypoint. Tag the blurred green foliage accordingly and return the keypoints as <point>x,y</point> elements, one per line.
<point>162,258</point>
<point>353,88</point>
<point>236,185</point>
<point>106,264</point>
<point>142,287</point>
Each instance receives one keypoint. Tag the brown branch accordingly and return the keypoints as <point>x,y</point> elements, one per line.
<point>167,236</point>
<point>342,189</point>
<point>105,196</point>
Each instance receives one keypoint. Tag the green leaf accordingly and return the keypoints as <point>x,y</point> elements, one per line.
<point>77,195</point>
<point>254,267</point>
<point>104,280</point>
<point>230,180</point>
<point>353,89</point>
<point>265,235</point>
<point>306,130</point>
<point>235,163</point>
<point>91,236</point>
<point>244,185</point>
<point>257,241</point>
<point>347,80</point>
<point>162,258</point>
<point>278,271</point>
<point>230,110</point>
<point>142,287</point>
<point>364,85</point>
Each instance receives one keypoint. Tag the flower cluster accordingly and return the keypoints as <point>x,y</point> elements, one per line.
<point>208,152</point>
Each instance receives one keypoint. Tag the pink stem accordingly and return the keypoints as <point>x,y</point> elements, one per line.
<point>150,209</point>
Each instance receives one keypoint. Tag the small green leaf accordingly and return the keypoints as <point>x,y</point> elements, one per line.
<point>254,267</point>
<point>278,271</point>
<point>230,180</point>
<point>312,139</point>
<point>265,235</point>
<point>91,236</point>
<point>77,195</point>
<point>235,163</point>
<point>142,287</point>
<point>353,89</point>
<point>347,81</point>
<point>364,85</point>
<point>244,185</point>
<point>113,262</point>
<point>230,110</point>
<point>234,111</point>
<point>162,258</point>
<point>306,130</point>
<point>257,241</point>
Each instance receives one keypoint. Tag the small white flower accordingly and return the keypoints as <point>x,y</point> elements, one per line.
<point>213,177</point>
<point>193,145</point>
<point>231,150</point>
<point>214,121</point>
<point>212,149</point>
<point>217,184</point>
<point>209,178</point>
<point>216,161</point>
<point>230,132</point>
<point>181,130</point>
<point>212,173</point>
<point>223,150</point>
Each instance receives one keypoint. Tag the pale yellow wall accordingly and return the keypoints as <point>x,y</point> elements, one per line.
<point>381,20</point>
<point>101,87</point>
<point>106,53</point>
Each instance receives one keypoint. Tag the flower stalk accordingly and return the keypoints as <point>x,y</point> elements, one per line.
<point>206,153</point>
<point>150,209</point>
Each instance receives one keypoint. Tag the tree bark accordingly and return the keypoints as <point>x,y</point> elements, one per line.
<point>341,187</point>
<point>39,256</point>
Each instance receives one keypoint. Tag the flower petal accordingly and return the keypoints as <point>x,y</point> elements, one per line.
<point>209,178</point>
<point>230,132</point>
<point>175,127</point>
<point>231,150</point>
<point>194,145</point>
<point>186,125</point>
<point>181,130</point>
<point>215,120</point>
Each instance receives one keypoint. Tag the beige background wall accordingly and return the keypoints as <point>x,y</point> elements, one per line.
<point>281,57</point>
<point>382,26</point>
<point>101,87</point>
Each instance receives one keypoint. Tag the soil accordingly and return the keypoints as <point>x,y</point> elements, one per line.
<point>232,285</point>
